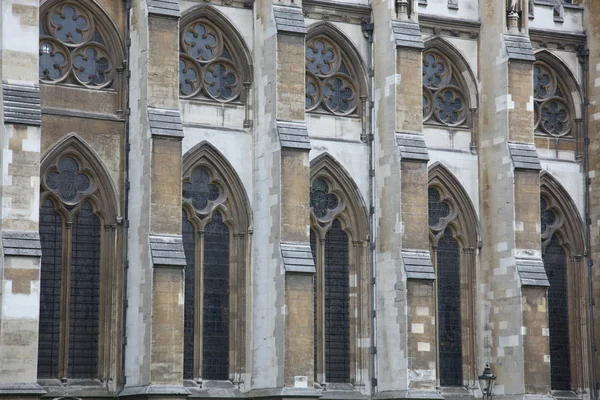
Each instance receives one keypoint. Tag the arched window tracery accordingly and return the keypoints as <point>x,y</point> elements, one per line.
<point>445,100</point>
<point>213,64</point>
<point>332,78</point>
<point>76,47</point>
<point>562,252</point>
<point>78,232</point>
<point>453,232</point>
<point>338,239</point>
<point>553,111</point>
<point>215,229</point>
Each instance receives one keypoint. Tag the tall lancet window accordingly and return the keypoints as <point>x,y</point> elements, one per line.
<point>447,266</point>
<point>78,236</point>
<point>339,243</point>
<point>214,232</point>
<point>555,263</point>
<point>453,235</point>
<point>332,302</point>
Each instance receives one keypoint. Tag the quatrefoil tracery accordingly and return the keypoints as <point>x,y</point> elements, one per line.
<point>330,86</point>
<point>549,220</point>
<point>72,50</point>
<point>443,99</point>
<point>322,201</point>
<point>68,181</point>
<point>199,191</point>
<point>206,66</point>
<point>552,115</point>
<point>438,210</point>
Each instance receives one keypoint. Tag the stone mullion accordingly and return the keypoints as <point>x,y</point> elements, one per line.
<point>240,289</point>
<point>468,264</point>
<point>236,292</point>
<point>65,299</point>
<point>320,335</point>
<point>198,303</point>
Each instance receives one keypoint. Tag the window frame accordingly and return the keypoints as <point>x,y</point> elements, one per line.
<point>102,196</point>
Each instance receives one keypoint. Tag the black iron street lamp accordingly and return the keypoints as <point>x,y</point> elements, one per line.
<point>486,382</point>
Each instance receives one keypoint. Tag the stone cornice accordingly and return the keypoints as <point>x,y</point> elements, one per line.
<point>442,26</point>
<point>336,11</point>
<point>556,39</point>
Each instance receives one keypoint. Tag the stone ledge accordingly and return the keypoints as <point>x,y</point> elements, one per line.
<point>21,390</point>
<point>165,122</point>
<point>407,34</point>
<point>293,135</point>
<point>169,8</point>
<point>297,257</point>
<point>532,272</point>
<point>18,243</point>
<point>412,146</point>
<point>518,47</point>
<point>283,392</point>
<point>21,104</point>
<point>289,19</point>
<point>408,394</point>
<point>524,156</point>
<point>417,264</point>
<point>167,251</point>
<point>154,390</point>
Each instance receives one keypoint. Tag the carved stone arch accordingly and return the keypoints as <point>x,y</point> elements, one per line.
<point>333,32</point>
<point>104,193</point>
<point>455,56</point>
<point>352,214</point>
<point>463,223</point>
<point>465,218</point>
<point>354,211</point>
<point>242,57</point>
<point>567,91</point>
<point>571,225</point>
<point>569,230</point>
<point>354,79</point>
<point>236,206</point>
<point>233,205</point>
<point>107,27</point>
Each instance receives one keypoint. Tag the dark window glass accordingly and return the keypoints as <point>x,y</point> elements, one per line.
<point>85,295</point>
<point>189,246</point>
<point>448,285</point>
<point>437,208</point>
<point>337,323</point>
<point>51,238</point>
<point>313,250</point>
<point>555,262</point>
<point>215,330</point>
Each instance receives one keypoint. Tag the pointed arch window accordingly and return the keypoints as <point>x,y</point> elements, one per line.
<point>553,109</point>
<point>76,47</point>
<point>210,62</point>
<point>444,92</point>
<point>332,84</point>
<point>453,238</point>
<point>555,263</point>
<point>563,251</point>
<point>215,228</point>
<point>338,242</point>
<point>78,233</point>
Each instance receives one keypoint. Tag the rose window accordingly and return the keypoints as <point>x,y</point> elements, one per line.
<point>552,114</point>
<point>444,101</point>
<point>72,50</point>
<point>207,68</point>
<point>330,84</point>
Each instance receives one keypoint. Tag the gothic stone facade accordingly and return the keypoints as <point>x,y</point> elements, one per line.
<point>299,198</point>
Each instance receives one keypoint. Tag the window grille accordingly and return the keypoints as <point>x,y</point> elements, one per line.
<point>449,317</point>
<point>215,324</point>
<point>50,288</point>
<point>189,245</point>
<point>555,263</point>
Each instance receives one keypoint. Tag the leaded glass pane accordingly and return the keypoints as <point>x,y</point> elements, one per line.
<point>85,294</point>
<point>189,246</point>
<point>437,208</point>
<point>67,180</point>
<point>51,239</point>
<point>313,250</point>
<point>449,323</point>
<point>199,189</point>
<point>337,305</point>
<point>555,263</point>
<point>215,334</point>
<point>320,199</point>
